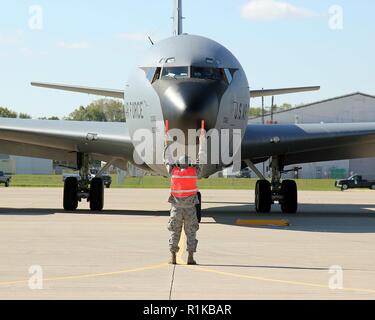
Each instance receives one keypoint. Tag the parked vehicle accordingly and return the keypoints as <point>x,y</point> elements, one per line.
<point>107,179</point>
<point>355,182</point>
<point>244,173</point>
<point>5,179</point>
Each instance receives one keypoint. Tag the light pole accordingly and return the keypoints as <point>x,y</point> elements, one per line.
<point>262,106</point>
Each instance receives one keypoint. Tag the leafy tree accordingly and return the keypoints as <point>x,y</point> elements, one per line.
<point>24,116</point>
<point>7,113</point>
<point>285,106</point>
<point>103,110</point>
<point>51,118</point>
<point>255,112</point>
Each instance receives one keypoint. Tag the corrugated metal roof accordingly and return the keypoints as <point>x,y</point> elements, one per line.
<point>317,102</point>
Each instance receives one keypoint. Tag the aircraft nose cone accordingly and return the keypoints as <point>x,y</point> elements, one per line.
<point>186,103</point>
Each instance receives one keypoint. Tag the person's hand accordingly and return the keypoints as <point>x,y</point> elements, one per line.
<point>202,137</point>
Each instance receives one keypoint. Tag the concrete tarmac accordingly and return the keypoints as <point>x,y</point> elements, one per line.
<point>122,252</point>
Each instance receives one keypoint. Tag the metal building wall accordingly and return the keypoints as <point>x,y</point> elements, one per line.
<point>26,165</point>
<point>364,167</point>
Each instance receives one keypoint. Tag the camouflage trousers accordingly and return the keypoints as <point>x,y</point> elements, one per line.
<point>183,217</point>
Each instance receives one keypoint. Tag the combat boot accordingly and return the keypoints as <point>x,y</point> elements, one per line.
<point>173,258</point>
<point>191,260</point>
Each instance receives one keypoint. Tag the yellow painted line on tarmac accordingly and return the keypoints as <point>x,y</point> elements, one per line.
<point>278,223</point>
<point>263,279</point>
<point>83,276</point>
<point>306,284</point>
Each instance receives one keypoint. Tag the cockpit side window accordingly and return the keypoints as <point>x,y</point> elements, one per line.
<point>152,74</point>
<point>157,75</point>
<point>228,75</point>
<point>175,73</point>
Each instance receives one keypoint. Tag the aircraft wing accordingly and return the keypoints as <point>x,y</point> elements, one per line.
<point>112,93</point>
<point>305,143</point>
<point>278,92</point>
<point>116,93</point>
<point>62,140</point>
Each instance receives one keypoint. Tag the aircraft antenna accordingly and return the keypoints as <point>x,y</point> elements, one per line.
<point>177,18</point>
<point>152,42</point>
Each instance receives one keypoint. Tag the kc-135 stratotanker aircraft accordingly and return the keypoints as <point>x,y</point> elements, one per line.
<point>184,80</point>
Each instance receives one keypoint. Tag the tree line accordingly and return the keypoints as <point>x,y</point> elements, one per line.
<point>109,110</point>
<point>103,110</point>
<point>8,113</point>
<point>257,111</point>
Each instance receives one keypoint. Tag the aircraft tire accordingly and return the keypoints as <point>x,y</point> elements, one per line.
<point>290,202</point>
<point>263,196</point>
<point>198,207</point>
<point>70,194</point>
<point>97,194</point>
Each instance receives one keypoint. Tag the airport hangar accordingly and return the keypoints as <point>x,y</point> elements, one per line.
<point>355,107</point>
<point>25,165</point>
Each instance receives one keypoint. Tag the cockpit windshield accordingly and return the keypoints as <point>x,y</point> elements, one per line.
<point>175,73</point>
<point>204,73</point>
<point>207,73</point>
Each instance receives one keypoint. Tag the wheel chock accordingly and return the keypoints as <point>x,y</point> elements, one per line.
<point>273,223</point>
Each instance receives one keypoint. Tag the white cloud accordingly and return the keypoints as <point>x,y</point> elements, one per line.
<point>273,10</point>
<point>73,45</point>
<point>132,36</point>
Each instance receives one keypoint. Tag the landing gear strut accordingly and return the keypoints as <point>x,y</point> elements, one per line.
<point>268,193</point>
<point>76,189</point>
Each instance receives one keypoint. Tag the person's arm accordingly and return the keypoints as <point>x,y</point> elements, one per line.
<point>202,155</point>
<point>168,157</point>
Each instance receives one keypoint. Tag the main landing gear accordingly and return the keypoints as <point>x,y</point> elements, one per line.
<point>83,188</point>
<point>284,192</point>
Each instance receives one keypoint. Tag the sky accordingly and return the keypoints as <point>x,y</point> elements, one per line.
<point>280,43</point>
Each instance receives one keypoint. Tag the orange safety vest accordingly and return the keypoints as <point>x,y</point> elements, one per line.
<point>184,182</point>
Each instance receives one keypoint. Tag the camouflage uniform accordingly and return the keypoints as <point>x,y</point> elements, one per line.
<point>183,213</point>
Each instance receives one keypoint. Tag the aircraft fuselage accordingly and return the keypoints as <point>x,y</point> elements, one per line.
<point>186,79</point>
